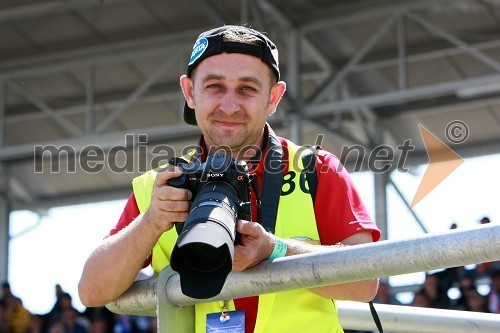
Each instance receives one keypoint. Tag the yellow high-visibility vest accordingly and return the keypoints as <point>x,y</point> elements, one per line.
<point>291,311</point>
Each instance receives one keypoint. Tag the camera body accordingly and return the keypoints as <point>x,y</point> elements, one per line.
<point>218,167</point>
<point>204,251</point>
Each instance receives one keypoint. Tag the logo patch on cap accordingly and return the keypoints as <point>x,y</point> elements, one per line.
<point>199,47</point>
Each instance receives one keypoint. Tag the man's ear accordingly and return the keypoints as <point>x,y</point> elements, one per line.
<point>187,90</point>
<point>277,92</point>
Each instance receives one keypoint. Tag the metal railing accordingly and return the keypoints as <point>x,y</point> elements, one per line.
<point>340,265</point>
<point>410,319</point>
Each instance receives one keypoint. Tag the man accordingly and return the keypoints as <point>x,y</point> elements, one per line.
<point>232,86</point>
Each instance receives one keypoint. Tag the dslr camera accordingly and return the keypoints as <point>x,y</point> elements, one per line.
<point>203,253</point>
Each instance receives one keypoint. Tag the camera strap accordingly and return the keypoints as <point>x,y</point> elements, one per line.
<point>273,177</point>
<point>271,183</point>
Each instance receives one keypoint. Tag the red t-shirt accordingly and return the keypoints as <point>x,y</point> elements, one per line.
<point>340,213</point>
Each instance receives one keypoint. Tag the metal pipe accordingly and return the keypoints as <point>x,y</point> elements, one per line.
<point>139,299</point>
<point>340,265</point>
<point>410,319</point>
<point>356,263</point>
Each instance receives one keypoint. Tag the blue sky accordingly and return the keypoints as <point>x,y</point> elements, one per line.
<point>52,249</point>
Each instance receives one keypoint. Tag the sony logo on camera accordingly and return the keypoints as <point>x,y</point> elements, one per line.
<point>215,175</point>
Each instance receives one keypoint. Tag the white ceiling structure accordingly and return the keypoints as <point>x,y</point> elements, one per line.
<point>89,94</point>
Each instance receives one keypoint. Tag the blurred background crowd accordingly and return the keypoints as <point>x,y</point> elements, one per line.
<point>65,318</point>
<point>472,288</point>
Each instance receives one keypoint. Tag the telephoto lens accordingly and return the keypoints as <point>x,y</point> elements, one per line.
<point>203,254</point>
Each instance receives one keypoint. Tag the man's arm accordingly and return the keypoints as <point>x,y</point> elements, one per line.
<point>257,245</point>
<point>113,265</point>
<point>361,291</point>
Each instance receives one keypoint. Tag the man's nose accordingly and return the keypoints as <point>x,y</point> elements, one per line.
<point>230,103</point>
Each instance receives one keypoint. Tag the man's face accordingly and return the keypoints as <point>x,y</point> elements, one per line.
<point>233,95</point>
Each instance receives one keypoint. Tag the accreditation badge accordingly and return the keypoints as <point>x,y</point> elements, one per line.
<point>226,322</point>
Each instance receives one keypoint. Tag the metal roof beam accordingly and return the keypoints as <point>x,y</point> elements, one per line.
<point>24,92</point>
<point>456,41</point>
<point>42,8</point>
<point>99,55</point>
<point>136,94</point>
<point>3,102</point>
<point>25,184</point>
<point>420,53</point>
<point>90,99</point>
<point>163,92</point>
<point>213,14</point>
<point>357,56</point>
<point>396,97</point>
<point>446,106</point>
<point>326,18</point>
<point>306,44</point>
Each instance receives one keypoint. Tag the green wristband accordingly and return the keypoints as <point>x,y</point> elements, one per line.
<point>280,248</point>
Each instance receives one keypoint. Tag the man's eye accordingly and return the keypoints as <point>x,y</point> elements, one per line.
<point>248,88</point>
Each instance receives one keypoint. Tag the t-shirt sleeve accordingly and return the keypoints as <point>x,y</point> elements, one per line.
<point>339,209</point>
<point>130,212</point>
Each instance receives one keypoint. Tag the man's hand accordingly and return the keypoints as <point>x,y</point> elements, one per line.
<point>255,246</point>
<point>168,204</point>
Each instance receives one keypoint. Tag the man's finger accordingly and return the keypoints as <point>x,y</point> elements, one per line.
<point>175,206</point>
<point>166,193</point>
<point>247,227</point>
<point>164,175</point>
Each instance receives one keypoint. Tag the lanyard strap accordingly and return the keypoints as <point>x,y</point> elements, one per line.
<point>376,319</point>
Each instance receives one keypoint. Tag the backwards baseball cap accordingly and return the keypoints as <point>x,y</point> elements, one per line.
<point>219,40</point>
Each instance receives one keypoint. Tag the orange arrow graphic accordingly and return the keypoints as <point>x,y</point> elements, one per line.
<point>442,162</point>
